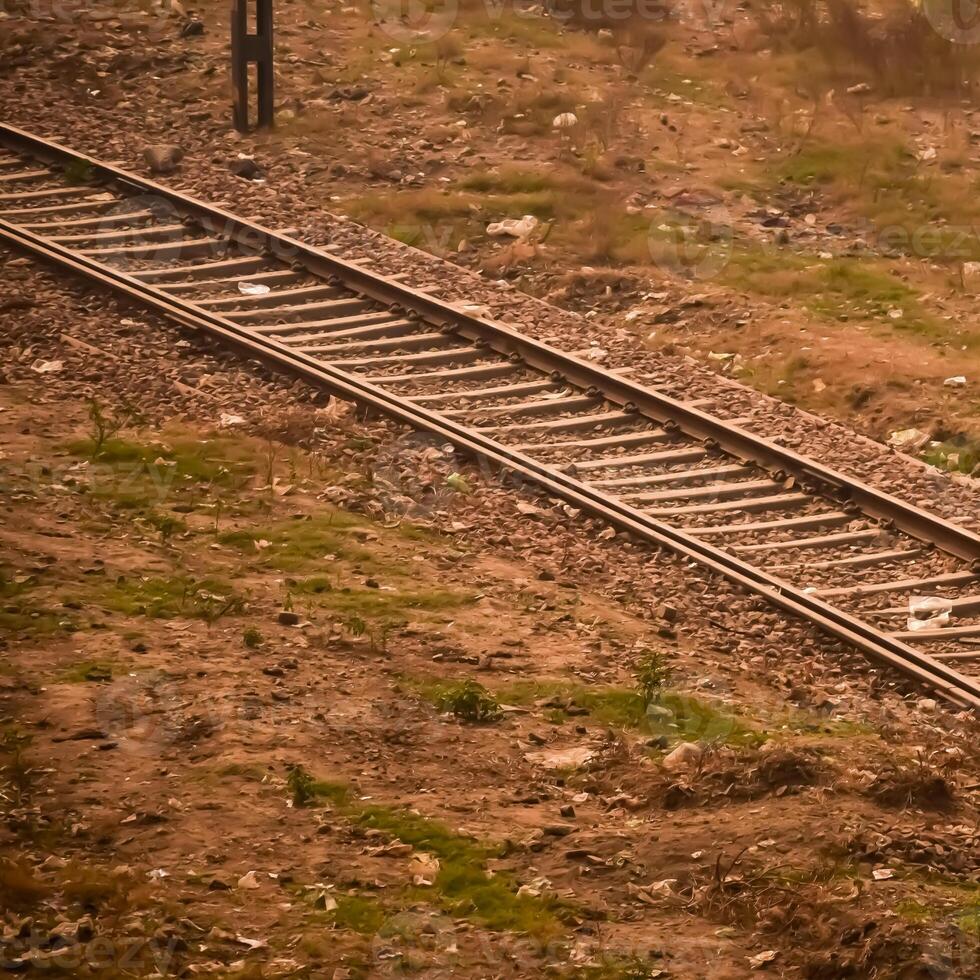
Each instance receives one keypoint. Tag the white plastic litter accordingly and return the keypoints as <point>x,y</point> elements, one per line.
<point>958,381</point>
<point>515,227</point>
<point>565,120</point>
<point>908,440</point>
<point>253,288</point>
<point>929,612</point>
<point>47,367</point>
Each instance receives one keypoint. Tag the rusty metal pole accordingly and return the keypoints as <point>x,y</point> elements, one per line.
<point>248,49</point>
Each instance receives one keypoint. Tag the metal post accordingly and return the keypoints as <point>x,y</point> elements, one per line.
<point>254,49</point>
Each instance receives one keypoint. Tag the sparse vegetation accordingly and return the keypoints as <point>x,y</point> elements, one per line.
<point>252,638</point>
<point>306,791</point>
<point>167,598</point>
<point>651,672</point>
<point>470,702</point>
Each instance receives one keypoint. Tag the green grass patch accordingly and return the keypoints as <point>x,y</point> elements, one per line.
<point>22,613</point>
<point>297,545</point>
<point>516,180</point>
<point>837,163</point>
<point>463,886</point>
<point>171,598</point>
<point>969,917</point>
<point>89,672</point>
<point>615,968</point>
<point>957,456</point>
<point>919,211</point>
<point>835,289</point>
<point>215,459</point>
<point>358,913</point>
<point>305,790</point>
<point>690,718</point>
<point>912,911</point>
<point>470,702</point>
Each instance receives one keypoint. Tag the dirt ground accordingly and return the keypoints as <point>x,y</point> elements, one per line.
<point>800,217</point>
<point>286,692</point>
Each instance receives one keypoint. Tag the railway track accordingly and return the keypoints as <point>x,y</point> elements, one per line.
<point>814,542</point>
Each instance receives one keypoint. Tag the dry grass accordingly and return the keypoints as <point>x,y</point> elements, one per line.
<point>892,46</point>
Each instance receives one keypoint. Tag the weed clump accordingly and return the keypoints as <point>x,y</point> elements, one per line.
<point>470,702</point>
<point>252,638</point>
<point>652,674</point>
<point>305,790</point>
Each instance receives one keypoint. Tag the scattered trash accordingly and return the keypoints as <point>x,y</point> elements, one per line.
<point>882,874</point>
<point>251,943</point>
<point>395,848</point>
<point>928,612</point>
<point>47,367</point>
<point>957,381</point>
<point>249,881</point>
<point>895,314</point>
<point>514,227</point>
<point>971,274</point>
<point>761,959</point>
<point>424,868</point>
<point>325,902</point>
<point>574,757</point>
<point>908,440</point>
<point>565,120</point>
<point>687,755</point>
<point>227,420</point>
<point>253,288</point>
<point>457,482</point>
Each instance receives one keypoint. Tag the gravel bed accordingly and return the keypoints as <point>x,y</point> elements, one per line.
<point>280,201</point>
<point>113,350</point>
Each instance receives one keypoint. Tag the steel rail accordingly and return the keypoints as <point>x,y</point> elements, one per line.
<point>736,441</point>
<point>875,644</point>
<point>880,646</point>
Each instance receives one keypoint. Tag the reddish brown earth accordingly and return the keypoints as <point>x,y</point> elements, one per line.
<point>150,822</point>
<point>195,784</point>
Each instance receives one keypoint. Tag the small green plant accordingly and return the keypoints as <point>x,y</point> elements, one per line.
<point>651,673</point>
<point>78,172</point>
<point>252,638</point>
<point>470,702</point>
<point>89,672</point>
<point>106,426</point>
<point>301,785</point>
<point>355,626</point>
<point>305,790</point>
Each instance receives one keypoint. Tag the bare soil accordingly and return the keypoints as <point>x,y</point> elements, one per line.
<point>234,742</point>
